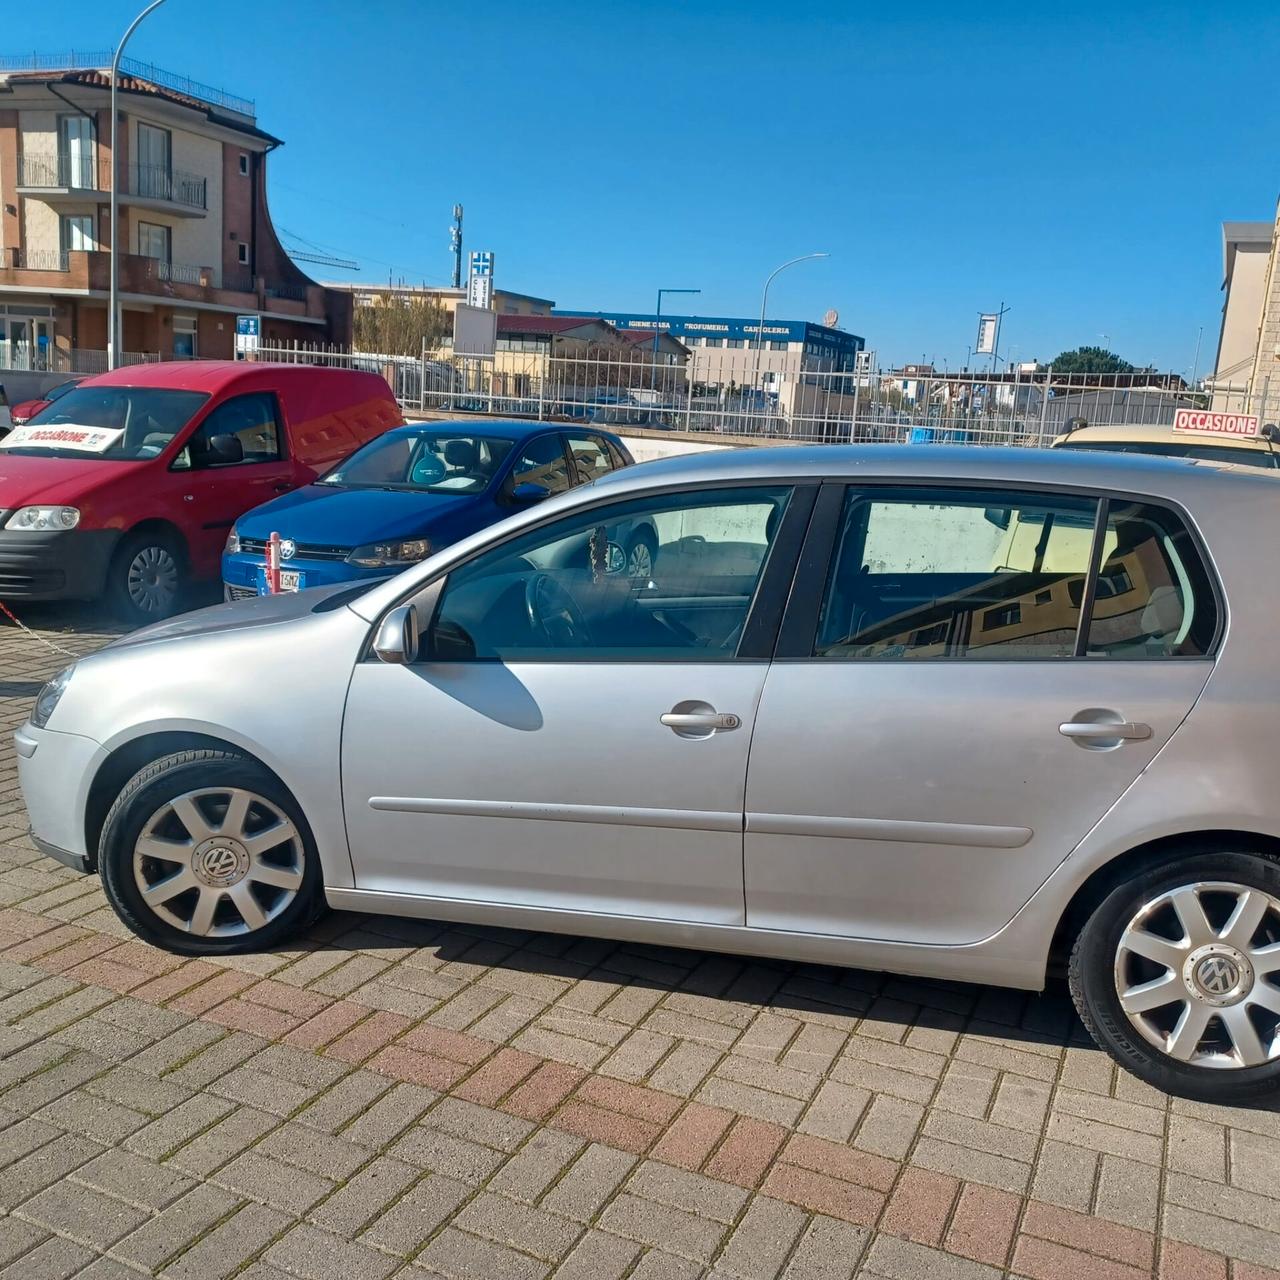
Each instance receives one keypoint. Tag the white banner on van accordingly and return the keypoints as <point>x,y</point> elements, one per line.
<point>63,435</point>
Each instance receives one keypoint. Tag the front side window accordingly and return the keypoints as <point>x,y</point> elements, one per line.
<point>564,592</point>
<point>542,462</point>
<point>945,574</point>
<point>590,458</point>
<point>243,429</point>
<point>432,460</point>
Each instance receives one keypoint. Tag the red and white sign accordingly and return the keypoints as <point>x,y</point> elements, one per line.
<point>62,436</point>
<point>1217,424</point>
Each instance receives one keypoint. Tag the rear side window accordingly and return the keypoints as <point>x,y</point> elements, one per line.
<point>935,575</point>
<point>1153,597</point>
<point>919,575</point>
<point>590,457</point>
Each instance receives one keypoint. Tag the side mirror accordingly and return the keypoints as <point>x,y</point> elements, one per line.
<point>397,639</point>
<point>1075,424</point>
<point>615,559</point>
<point>223,450</point>
<point>1270,433</point>
<point>528,492</point>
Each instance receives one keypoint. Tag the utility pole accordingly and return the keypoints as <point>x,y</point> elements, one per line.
<point>113,303</point>
<point>455,241</point>
<point>1195,364</point>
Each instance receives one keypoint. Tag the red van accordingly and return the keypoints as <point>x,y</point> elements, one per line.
<point>128,485</point>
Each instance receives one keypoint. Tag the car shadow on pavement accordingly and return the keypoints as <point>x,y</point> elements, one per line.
<point>722,987</point>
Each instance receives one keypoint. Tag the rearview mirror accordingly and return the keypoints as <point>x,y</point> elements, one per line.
<point>529,492</point>
<point>397,639</point>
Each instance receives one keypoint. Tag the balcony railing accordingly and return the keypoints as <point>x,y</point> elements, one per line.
<point>146,181</point>
<point>289,292</point>
<point>155,182</point>
<point>57,171</point>
<point>181,273</point>
<point>42,260</point>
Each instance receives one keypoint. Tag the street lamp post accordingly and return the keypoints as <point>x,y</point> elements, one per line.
<point>113,314</point>
<point>657,327</point>
<point>764,304</point>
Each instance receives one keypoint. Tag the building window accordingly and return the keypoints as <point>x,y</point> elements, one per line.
<point>242,254</point>
<point>75,153</point>
<point>153,241</point>
<point>154,173</point>
<point>735,342</point>
<point>244,164</point>
<point>184,337</point>
<point>777,346</point>
<point>75,232</point>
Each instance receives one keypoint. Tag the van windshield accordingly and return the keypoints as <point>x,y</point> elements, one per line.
<point>117,424</point>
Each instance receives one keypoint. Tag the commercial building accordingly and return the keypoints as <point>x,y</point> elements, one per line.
<point>505,302</point>
<point>1251,291</point>
<point>195,242</point>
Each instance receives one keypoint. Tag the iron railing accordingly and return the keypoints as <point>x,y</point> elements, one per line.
<point>100,60</point>
<point>790,396</point>
<point>42,260</point>
<point>144,181</point>
<point>289,292</point>
<point>182,273</point>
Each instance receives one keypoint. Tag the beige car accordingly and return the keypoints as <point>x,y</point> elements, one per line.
<point>1141,437</point>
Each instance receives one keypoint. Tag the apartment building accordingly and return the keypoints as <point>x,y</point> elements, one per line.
<point>195,242</point>
<point>505,301</point>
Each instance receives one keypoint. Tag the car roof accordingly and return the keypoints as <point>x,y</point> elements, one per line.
<point>504,428</point>
<point>944,464</point>
<point>208,375</point>
<point>1153,433</point>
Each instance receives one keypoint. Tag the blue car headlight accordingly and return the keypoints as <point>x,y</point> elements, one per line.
<point>383,555</point>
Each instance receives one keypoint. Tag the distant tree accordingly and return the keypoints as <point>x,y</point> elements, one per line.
<point>1089,360</point>
<point>398,324</point>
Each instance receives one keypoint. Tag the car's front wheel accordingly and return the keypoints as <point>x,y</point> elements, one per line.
<point>206,853</point>
<point>145,578</point>
<point>1177,975</point>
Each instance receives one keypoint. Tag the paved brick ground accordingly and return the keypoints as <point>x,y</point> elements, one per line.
<point>407,1099</point>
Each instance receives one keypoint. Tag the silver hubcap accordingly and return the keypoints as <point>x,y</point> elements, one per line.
<point>218,862</point>
<point>640,562</point>
<point>1197,972</point>
<point>152,579</point>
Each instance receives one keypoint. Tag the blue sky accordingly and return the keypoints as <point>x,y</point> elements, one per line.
<point>1073,160</point>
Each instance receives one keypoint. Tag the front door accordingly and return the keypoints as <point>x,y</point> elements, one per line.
<point>961,700</point>
<point>215,488</point>
<point>571,736</point>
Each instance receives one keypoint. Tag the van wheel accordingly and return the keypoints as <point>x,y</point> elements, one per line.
<point>145,579</point>
<point>206,853</point>
<point>1176,974</point>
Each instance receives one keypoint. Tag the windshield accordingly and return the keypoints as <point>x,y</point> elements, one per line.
<point>113,423</point>
<point>1191,449</point>
<point>430,461</point>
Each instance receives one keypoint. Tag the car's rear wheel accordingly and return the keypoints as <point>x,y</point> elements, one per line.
<point>206,853</point>
<point>145,579</point>
<point>1177,975</point>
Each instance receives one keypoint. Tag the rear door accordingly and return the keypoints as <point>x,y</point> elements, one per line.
<point>966,682</point>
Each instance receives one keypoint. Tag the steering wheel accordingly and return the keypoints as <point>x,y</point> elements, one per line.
<point>554,613</point>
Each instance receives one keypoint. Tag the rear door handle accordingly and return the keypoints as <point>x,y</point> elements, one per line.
<point>1105,730</point>
<point>701,720</point>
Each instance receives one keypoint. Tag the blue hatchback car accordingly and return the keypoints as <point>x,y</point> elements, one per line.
<point>410,492</point>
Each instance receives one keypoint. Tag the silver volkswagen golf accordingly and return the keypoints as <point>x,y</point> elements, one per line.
<point>971,713</point>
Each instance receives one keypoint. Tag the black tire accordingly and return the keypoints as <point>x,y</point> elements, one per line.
<point>643,538</point>
<point>144,795</point>
<point>1092,977</point>
<point>148,553</point>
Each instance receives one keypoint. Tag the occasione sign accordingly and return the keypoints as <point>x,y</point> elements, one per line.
<point>1218,424</point>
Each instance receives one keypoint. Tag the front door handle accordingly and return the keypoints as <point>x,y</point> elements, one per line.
<point>1097,732</point>
<point>701,721</point>
<point>284,486</point>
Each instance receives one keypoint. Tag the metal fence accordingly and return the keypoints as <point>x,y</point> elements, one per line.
<point>778,395</point>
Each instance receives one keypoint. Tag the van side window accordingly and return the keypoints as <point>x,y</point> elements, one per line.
<point>241,430</point>
<point>1153,598</point>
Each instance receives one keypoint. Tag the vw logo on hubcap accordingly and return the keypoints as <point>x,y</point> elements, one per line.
<point>1217,975</point>
<point>220,863</point>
